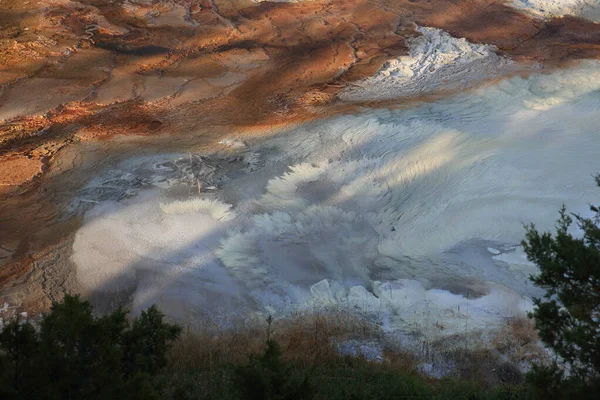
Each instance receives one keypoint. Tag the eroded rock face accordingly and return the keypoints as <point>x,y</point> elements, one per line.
<point>178,73</point>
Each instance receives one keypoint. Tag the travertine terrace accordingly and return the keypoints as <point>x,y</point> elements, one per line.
<point>85,83</point>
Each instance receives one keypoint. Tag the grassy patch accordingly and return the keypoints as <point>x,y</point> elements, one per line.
<point>203,365</point>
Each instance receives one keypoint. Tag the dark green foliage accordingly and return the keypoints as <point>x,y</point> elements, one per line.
<point>20,346</point>
<point>267,377</point>
<point>356,379</point>
<point>336,379</point>
<point>146,342</point>
<point>76,355</point>
<point>568,316</point>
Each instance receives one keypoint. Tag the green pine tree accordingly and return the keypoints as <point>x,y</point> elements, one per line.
<point>77,355</point>
<point>568,316</point>
<point>268,377</point>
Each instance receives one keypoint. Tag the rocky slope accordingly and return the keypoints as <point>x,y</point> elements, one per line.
<point>84,83</point>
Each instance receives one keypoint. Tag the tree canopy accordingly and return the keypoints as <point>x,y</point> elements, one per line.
<point>568,316</point>
<point>77,355</point>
